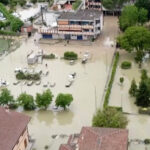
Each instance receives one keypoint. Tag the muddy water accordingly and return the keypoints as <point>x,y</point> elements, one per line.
<point>138,124</point>
<point>87,88</point>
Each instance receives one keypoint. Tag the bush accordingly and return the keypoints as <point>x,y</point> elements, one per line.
<point>70,56</point>
<point>147,141</point>
<point>106,100</point>
<point>133,89</point>
<point>43,100</point>
<point>110,118</point>
<point>23,76</point>
<point>126,65</point>
<point>144,110</point>
<point>27,101</point>
<point>50,56</point>
<point>63,100</point>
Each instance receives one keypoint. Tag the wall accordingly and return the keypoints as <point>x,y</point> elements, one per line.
<point>20,145</point>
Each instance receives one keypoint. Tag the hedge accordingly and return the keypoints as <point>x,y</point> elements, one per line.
<point>126,65</point>
<point>23,76</point>
<point>70,56</point>
<point>4,32</point>
<point>106,100</point>
<point>50,56</point>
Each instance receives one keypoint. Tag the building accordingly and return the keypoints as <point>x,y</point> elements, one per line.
<point>63,5</point>
<point>80,25</point>
<point>13,130</point>
<point>93,5</point>
<point>27,28</point>
<point>93,138</point>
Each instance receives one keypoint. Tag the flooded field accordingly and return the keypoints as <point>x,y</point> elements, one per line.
<point>4,45</point>
<point>138,124</point>
<point>87,88</point>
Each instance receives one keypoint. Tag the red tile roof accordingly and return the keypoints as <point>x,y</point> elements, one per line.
<point>92,138</point>
<point>12,125</point>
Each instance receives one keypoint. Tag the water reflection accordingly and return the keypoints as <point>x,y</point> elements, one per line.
<point>65,117</point>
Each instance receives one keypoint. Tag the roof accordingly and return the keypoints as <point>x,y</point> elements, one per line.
<point>93,138</point>
<point>80,15</point>
<point>12,125</point>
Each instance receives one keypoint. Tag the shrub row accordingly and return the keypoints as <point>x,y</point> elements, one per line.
<point>4,32</point>
<point>126,65</point>
<point>106,100</point>
<point>50,56</point>
<point>70,56</point>
<point>23,76</point>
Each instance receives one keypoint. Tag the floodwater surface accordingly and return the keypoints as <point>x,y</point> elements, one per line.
<point>87,89</point>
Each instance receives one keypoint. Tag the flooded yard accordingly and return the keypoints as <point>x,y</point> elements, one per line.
<point>87,88</point>
<point>138,124</point>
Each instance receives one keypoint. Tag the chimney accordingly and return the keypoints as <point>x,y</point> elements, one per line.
<point>7,108</point>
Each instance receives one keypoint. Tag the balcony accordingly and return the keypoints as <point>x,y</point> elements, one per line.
<point>76,26</point>
<point>55,31</point>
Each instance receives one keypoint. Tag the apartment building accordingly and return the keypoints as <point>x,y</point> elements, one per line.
<point>93,4</point>
<point>81,25</point>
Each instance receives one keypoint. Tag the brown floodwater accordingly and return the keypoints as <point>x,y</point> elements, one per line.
<point>87,88</point>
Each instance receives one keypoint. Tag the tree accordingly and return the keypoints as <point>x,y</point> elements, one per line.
<point>121,80</point>
<point>22,2</point>
<point>63,100</point>
<point>109,118</point>
<point>113,4</point>
<point>142,16</point>
<point>129,17</point>
<point>144,75</point>
<point>43,100</point>
<point>4,1</point>
<point>143,96</point>
<point>5,97</point>
<point>33,1</point>
<point>143,4</point>
<point>133,88</point>
<point>27,101</point>
<point>137,39</point>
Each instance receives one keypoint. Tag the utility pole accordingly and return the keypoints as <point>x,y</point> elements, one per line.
<point>42,14</point>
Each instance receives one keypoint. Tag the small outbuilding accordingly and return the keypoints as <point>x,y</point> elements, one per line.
<point>27,28</point>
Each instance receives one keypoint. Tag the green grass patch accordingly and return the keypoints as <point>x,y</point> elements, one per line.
<point>115,63</point>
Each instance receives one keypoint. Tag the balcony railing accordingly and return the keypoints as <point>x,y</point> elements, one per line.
<point>76,26</point>
<point>54,31</point>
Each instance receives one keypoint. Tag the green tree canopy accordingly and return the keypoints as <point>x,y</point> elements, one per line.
<point>5,97</point>
<point>131,16</point>
<point>43,100</point>
<point>63,100</point>
<point>143,4</point>
<point>143,96</point>
<point>110,118</point>
<point>27,101</point>
<point>133,88</point>
<point>113,4</point>
<point>137,39</point>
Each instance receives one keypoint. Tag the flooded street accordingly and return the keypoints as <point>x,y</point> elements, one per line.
<point>138,124</point>
<point>87,88</point>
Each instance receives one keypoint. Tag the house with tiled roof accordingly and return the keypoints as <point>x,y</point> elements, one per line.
<point>94,138</point>
<point>13,130</point>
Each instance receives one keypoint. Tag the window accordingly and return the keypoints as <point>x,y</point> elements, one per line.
<point>25,143</point>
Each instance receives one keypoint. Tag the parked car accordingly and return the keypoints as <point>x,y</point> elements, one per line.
<point>68,84</point>
<point>16,83</point>
<point>38,83</point>
<point>30,83</point>
<point>52,84</point>
<point>46,84</point>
